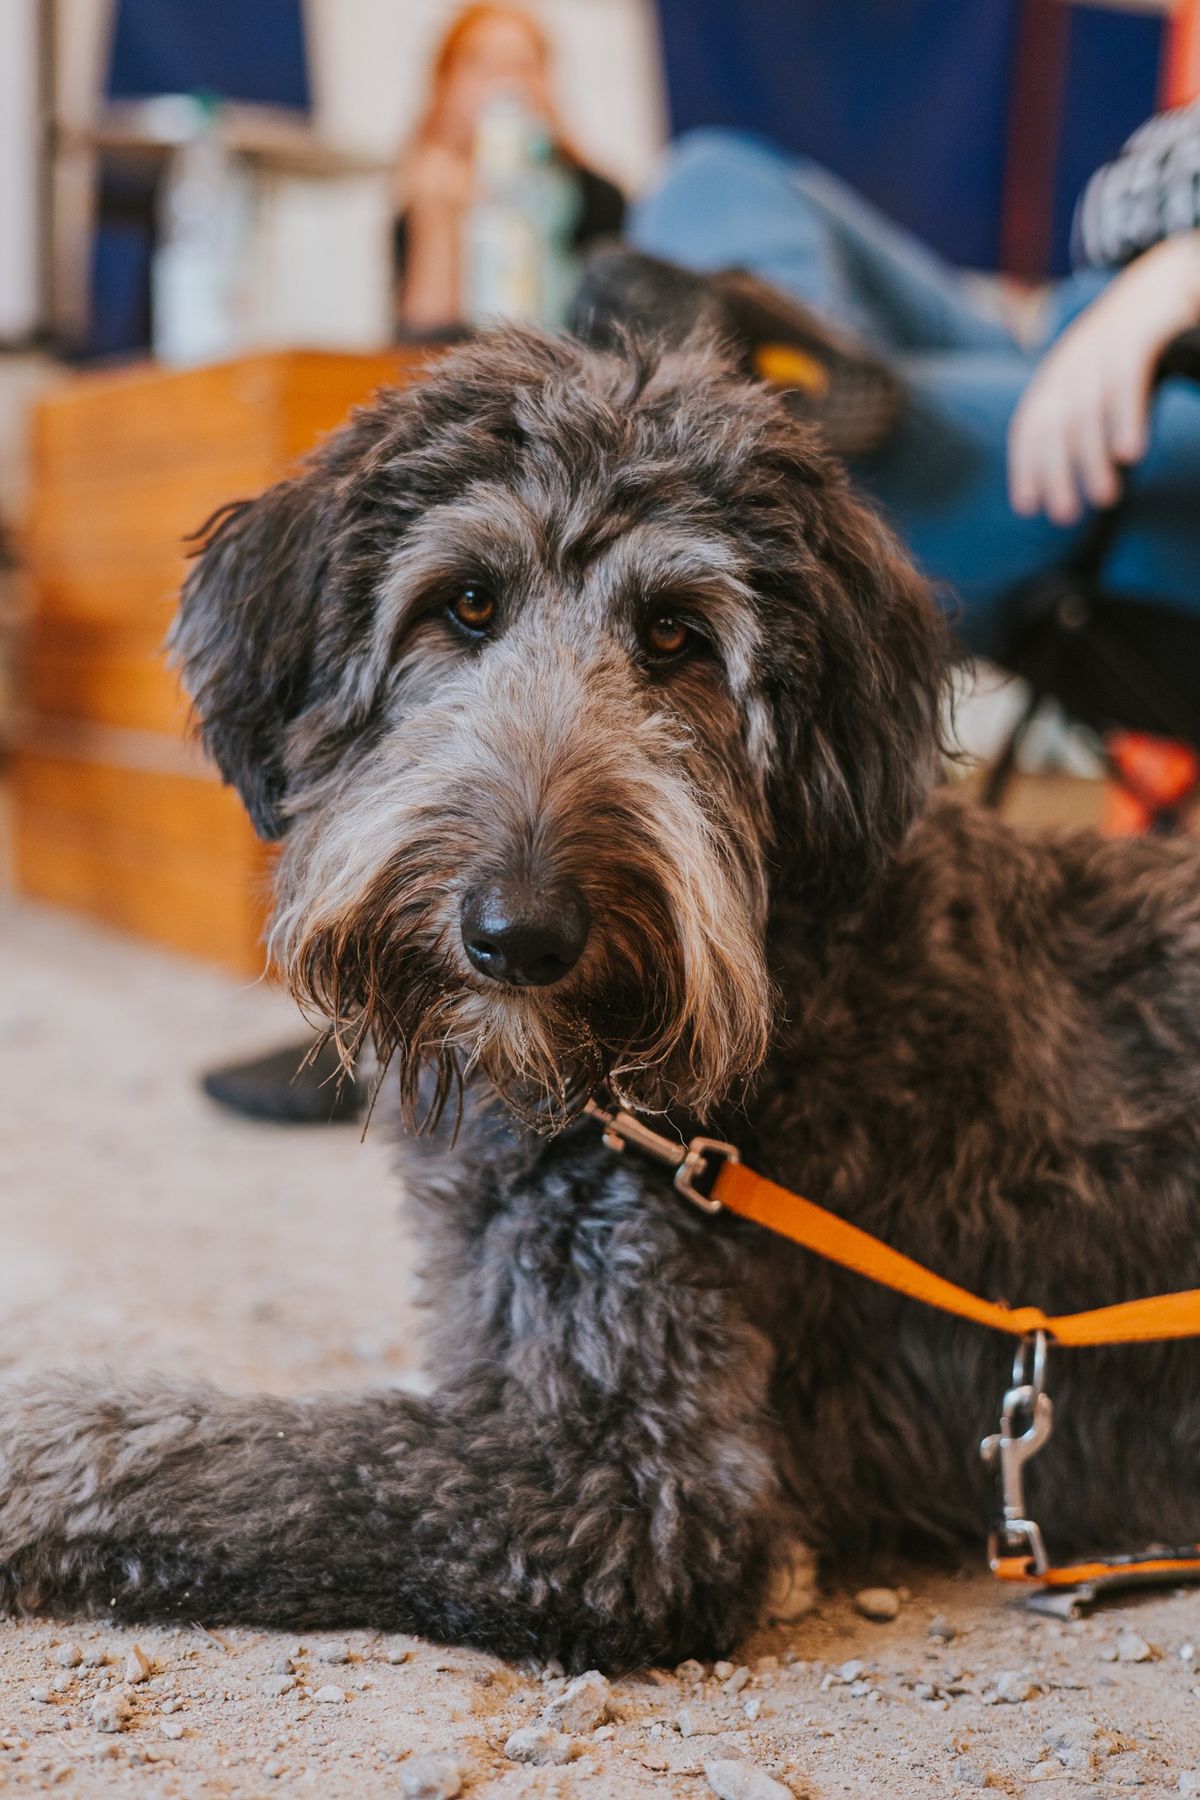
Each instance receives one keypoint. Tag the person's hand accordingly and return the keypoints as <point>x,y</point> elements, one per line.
<point>436,179</point>
<point>1085,413</point>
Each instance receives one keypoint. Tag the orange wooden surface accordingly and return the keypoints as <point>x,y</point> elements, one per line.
<point>167,855</point>
<point>110,816</point>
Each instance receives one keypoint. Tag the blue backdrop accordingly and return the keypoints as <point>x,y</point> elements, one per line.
<point>241,49</point>
<point>908,99</point>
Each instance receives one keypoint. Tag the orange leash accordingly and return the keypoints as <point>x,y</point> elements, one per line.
<point>1016,1550</point>
<point>751,1196</point>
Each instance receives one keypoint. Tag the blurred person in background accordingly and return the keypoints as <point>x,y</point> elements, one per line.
<point>487,53</point>
<point>1001,447</point>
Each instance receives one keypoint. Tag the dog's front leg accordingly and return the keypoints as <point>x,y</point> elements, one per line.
<point>599,1527</point>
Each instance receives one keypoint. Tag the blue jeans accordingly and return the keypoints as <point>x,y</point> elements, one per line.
<point>724,199</point>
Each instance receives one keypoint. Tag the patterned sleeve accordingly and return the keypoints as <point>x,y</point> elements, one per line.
<point>1150,191</point>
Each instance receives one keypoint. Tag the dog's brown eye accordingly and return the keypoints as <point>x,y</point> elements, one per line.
<point>474,608</point>
<point>667,636</point>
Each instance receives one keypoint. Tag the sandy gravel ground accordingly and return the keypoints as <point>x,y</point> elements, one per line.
<point>141,1228</point>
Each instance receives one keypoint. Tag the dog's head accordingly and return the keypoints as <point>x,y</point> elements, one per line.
<point>556,670</point>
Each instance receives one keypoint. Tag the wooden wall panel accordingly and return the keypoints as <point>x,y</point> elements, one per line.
<point>113,815</point>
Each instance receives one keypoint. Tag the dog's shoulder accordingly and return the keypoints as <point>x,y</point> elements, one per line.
<point>1074,878</point>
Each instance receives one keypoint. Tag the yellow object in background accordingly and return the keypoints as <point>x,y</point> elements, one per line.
<point>786,367</point>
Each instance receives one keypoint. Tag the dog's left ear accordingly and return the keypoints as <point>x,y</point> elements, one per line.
<point>243,639</point>
<point>860,720</point>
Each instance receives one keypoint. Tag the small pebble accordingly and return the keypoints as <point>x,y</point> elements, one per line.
<point>62,1684</point>
<point>330,1696</point>
<point>1189,1781</point>
<point>397,1653</point>
<point>94,1657</point>
<point>1134,1649</point>
<point>539,1745</point>
<point>137,1666</point>
<point>722,1671</point>
<point>553,1670</point>
<point>604,1734</point>
<point>581,1706</point>
<point>878,1603</point>
<point>752,1708</point>
<point>171,1728</point>
<point>172,1704</point>
<point>1187,1652</point>
<point>278,1685</point>
<point>1014,1686</point>
<point>743,1781</point>
<point>111,1712</point>
<point>737,1680</point>
<point>283,1665</point>
<point>431,1778</point>
<point>849,1671</point>
<point>333,1653</point>
<point>41,1696</point>
<point>690,1721</point>
<point>691,1670</point>
<point>941,1629</point>
<point>69,1656</point>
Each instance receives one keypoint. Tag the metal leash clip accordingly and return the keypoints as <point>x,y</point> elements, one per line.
<point>1026,1421</point>
<point>692,1162</point>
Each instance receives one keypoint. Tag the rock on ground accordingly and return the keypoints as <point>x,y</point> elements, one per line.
<point>431,1778</point>
<point>742,1781</point>
<point>582,1706</point>
<point>538,1744</point>
<point>878,1603</point>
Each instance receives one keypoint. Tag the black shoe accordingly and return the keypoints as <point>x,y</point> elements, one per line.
<point>827,377</point>
<point>293,1086</point>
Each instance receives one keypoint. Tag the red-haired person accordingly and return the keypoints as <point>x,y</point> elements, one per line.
<point>487,52</point>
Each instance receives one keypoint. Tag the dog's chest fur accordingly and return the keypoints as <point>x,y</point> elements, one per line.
<point>995,1066</point>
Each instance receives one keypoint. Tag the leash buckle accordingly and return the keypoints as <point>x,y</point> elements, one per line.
<point>1026,1421</point>
<point>692,1162</point>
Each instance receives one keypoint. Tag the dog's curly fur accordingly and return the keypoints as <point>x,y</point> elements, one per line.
<point>983,1047</point>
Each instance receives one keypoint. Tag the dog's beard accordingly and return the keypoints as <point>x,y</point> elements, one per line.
<point>670,1004</point>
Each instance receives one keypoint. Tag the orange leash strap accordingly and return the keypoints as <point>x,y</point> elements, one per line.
<point>1016,1551</point>
<point>751,1196</point>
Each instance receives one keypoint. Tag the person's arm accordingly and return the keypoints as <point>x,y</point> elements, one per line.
<point>438,188</point>
<point>1085,414</point>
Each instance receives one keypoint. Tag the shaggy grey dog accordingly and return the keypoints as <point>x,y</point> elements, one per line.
<point>599,723</point>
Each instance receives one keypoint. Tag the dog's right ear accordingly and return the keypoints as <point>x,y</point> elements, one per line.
<point>243,639</point>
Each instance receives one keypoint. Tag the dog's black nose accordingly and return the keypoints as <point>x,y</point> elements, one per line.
<point>523,937</point>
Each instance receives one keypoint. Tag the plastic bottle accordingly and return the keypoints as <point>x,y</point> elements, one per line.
<point>197,266</point>
<point>516,252</point>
